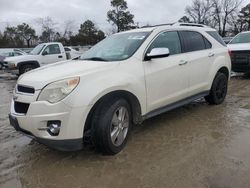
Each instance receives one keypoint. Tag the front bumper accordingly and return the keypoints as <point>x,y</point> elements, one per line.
<point>62,145</point>
<point>35,121</point>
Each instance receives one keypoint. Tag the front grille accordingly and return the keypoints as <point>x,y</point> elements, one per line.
<point>25,89</point>
<point>21,108</point>
<point>241,57</point>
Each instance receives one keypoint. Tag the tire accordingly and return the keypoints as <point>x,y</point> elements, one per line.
<point>247,75</point>
<point>107,121</point>
<point>1,66</point>
<point>25,68</point>
<point>218,91</point>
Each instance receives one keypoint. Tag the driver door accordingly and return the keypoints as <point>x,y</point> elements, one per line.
<point>51,54</point>
<point>167,78</point>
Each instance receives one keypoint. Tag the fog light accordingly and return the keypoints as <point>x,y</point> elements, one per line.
<point>54,127</point>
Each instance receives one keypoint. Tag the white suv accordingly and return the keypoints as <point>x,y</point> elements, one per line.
<point>123,80</point>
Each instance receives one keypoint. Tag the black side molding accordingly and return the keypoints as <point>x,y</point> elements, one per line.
<point>174,105</point>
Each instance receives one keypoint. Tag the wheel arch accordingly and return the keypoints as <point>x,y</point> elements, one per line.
<point>223,68</point>
<point>225,71</point>
<point>35,63</point>
<point>128,96</point>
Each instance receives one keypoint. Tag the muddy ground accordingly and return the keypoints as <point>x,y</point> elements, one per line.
<point>194,146</point>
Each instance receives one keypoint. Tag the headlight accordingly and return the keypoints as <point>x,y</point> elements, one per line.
<point>56,91</point>
<point>11,64</point>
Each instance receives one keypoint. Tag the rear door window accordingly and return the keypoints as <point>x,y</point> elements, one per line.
<point>194,41</point>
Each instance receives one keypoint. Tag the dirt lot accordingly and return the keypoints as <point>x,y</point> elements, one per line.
<point>194,146</point>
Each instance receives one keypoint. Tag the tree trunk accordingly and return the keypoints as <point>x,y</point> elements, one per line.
<point>28,43</point>
<point>118,20</point>
<point>224,25</point>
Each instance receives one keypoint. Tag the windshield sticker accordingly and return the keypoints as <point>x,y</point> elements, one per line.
<point>138,37</point>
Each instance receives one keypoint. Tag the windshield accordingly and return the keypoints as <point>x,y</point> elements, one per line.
<point>5,54</point>
<point>116,47</point>
<point>37,49</point>
<point>241,38</point>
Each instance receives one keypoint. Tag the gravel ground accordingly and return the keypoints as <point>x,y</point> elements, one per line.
<point>197,145</point>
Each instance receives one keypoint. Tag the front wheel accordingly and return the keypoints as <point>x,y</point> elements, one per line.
<point>25,68</point>
<point>218,91</point>
<point>111,124</point>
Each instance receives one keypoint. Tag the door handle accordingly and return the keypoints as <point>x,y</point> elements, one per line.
<point>182,62</point>
<point>60,56</point>
<point>211,55</point>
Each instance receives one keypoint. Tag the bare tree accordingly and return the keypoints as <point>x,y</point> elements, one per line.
<point>69,26</point>
<point>244,17</point>
<point>199,11</point>
<point>48,29</point>
<point>236,23</point>
<point>223,10</point>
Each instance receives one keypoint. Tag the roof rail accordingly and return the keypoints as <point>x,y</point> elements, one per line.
<point>167,24</point>
<point>189,24</point>
<point>176,24</point>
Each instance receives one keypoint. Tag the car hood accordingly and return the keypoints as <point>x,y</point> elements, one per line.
<point>40,77</point>
<point>17,59</point>
<point>239,47</point>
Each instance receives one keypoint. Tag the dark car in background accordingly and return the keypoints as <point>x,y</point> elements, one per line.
<point>1,62</point>
<point>240,52</point>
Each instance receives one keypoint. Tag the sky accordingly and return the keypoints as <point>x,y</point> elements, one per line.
<point>13,12</point>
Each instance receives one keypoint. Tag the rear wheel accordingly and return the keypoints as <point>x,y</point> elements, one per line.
<point>218,91</point>
<point>1,66</point>
<point>25,68</point>
<point>111,125</point>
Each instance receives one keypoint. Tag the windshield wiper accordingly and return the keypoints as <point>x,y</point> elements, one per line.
<point>95,59</point>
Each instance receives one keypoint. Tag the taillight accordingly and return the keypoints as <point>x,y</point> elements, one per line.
<point>230,52</point>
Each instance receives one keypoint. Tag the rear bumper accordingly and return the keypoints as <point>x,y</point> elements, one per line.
<point>240,68</point>
<point>61,145</point>
<point>240,61</point>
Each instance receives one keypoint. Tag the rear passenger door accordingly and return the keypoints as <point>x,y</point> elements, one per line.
<point>200,57</point>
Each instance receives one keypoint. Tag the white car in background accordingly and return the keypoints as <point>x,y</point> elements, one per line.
<point>43,54</point>
<point>123,80</point>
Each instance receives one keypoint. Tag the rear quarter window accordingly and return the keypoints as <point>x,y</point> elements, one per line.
<point>217,37</point>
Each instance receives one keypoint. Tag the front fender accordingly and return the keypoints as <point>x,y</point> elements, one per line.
<point>92,88</point>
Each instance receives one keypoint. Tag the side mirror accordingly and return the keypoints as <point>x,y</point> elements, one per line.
<point>157,53</point>
<point>45,53</point>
